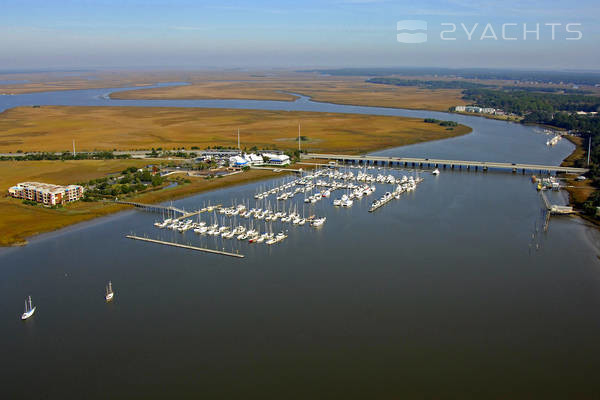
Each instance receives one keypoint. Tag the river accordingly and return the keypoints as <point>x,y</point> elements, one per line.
<point>453,291</point>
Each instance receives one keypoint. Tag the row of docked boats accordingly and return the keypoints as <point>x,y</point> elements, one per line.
<point>316,186</point>
<point>554,140</point>
<point>328,180</point>
<point>546,183</point>
<point>408,186</point>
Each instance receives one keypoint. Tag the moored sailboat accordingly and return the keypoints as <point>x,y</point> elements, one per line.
<point>29,309</point>
<point>109,292</point>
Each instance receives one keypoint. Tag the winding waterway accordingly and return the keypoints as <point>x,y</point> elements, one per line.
<point>452,291</point>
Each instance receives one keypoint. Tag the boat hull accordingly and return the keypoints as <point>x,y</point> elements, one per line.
<point>28,314</point>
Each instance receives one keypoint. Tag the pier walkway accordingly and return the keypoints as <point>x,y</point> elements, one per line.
<point>169,209</point>
<point>440,163</point>
<point>554,208</point>
<point>193,213</point>
<point>185,246</point>
<point>276,169</point>
<point>153,207</point>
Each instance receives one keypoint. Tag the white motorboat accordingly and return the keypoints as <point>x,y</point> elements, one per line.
<point>318,222</point>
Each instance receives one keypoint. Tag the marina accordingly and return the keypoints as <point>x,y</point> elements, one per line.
<point>452,256</point>
<point>316,186</point>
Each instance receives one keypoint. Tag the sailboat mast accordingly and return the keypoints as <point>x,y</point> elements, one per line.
<point>299,149</point>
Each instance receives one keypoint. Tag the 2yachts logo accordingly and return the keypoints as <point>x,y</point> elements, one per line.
<point>411,31</point>
<point>415,31</point>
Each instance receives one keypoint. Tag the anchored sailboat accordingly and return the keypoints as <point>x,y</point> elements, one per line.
<point>29,309</point>
<point>109,292</point>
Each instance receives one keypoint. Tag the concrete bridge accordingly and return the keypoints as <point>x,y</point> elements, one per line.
<point>440,163</point>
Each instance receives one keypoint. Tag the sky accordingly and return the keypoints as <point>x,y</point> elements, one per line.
<point>38,34</point>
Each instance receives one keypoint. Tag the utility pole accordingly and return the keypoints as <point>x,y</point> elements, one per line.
<point>74,148</point>
<point>589,149</point>
<point>299,149</point>
<point>239,149</point>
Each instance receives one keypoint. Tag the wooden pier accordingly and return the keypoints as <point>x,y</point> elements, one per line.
<point>153,207</point>
<point>185,246</point>
<point>555,209</point>
<point>169,209</point>
<point>276,169</point>
<point>193,213</point>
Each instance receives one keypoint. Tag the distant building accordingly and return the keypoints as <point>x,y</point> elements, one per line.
<point>238,161</point>
<point>276,159</point>
<point>245,160</point>
<point>254,159</point>
<point>46,193</point>
<point>475,109</point>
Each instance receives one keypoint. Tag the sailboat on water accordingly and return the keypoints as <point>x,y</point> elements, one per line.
<point>29,309</point>
<point>109,292</point>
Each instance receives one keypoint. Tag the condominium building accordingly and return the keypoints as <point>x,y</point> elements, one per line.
<point>46,193</point>
<point>475,109</point>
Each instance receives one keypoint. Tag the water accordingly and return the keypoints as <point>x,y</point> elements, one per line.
<point>12,81</point>
<point>448,292</point>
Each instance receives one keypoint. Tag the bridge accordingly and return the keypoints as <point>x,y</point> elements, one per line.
<point>440,163</point>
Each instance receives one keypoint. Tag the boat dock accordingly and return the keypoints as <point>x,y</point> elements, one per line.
<point>276,169</point>
<point>153,207</point>
<point>194,213</point>
<point>169,209</point>
<point>185,246</point>
<point>555,209</point>
<point>439,163</point>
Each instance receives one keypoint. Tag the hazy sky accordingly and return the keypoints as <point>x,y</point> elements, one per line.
<point>265,33</point>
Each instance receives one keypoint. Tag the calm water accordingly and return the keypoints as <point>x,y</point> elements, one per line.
<point>448,292</point>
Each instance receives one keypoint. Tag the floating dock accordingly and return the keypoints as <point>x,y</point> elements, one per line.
<point>185,246</point>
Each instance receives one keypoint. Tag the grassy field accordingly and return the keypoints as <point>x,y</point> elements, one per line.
<point>19,221</point>
<point>260,85</point>
<point>579,191</point>
<point>106,128</point>
<point>53,128</point>
<point>342,90</point>
<point>57,81</point>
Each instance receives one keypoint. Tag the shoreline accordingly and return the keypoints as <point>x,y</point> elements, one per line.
<point>294,94</point>
<point>577,154</point>
<point>196,187</point>
<point>107,208</point>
